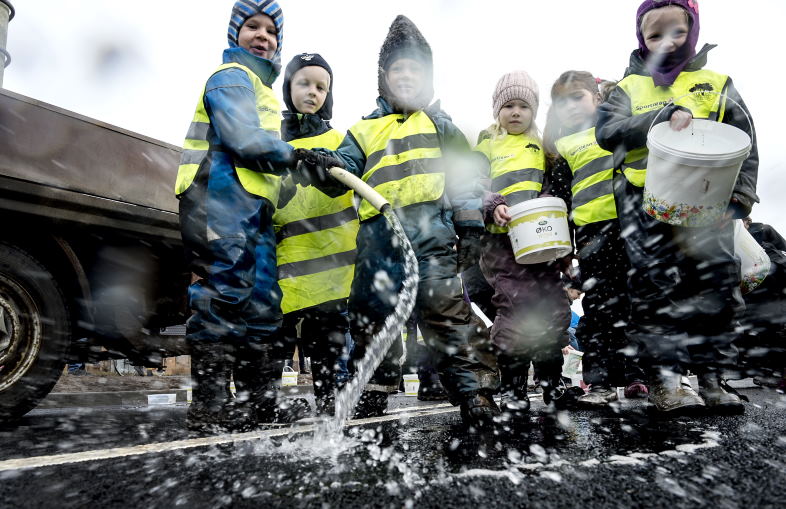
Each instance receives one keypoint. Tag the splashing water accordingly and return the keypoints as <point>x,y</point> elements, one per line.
<point>349,395</point>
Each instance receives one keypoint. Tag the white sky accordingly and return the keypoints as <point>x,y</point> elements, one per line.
<point>141,65</point>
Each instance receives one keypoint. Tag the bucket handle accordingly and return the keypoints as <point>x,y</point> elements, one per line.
<point>673,100</point>
<point>6,57</point>
<point>290,368</point>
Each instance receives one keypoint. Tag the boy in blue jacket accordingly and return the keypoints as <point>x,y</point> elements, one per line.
<point>228,182</point>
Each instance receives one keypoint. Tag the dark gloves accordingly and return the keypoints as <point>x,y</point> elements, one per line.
<point>468,247</point>
<point>311,167</point>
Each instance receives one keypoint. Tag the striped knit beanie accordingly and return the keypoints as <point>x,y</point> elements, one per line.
<point>244,9</point>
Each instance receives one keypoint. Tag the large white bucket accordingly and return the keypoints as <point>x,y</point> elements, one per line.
<point>538,230</point>
<point>691,173</point>
<point>754,262</point>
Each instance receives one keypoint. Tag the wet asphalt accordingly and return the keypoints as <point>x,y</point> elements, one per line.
<point>627,458</point>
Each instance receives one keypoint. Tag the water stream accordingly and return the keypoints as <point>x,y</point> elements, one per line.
<point>349,395</point>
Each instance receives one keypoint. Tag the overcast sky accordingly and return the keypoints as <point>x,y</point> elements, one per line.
<point>141,65</point>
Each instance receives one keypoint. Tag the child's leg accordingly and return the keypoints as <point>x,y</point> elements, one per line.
<point>324,333</point>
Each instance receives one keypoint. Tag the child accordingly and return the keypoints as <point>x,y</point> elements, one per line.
<point>684,285</point>
<point>533,311</point>
<point>587,172</point>
<point>315,233</point>
<point>227,183</point>
<point>401,150</point>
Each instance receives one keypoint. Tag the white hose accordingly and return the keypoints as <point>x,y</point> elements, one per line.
<point>364,190</point>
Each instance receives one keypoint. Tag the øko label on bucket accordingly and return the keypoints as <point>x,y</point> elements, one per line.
<point>538,230</point>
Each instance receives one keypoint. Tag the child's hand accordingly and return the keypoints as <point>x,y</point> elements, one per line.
<point>566,350</point>
<point>501,215</point>
<point>680,119</point>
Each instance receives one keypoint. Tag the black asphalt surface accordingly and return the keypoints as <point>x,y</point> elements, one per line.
<point>574,459</point>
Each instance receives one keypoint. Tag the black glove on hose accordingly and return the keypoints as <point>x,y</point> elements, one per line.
<point>311,167</point>
<point>468,248</point>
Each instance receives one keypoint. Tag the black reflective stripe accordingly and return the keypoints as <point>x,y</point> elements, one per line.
<point>592,192</point>
<point>316,265</point>
<point>316,224</point>
<point>198,131</point>
<point>467,215</point>
<point>399,146</point>
<point>192,156</point>
<point>640,164</point>
<point>500,182</point>
<point>519,197</point>
<point>593,167</point>
<point>401,171</point>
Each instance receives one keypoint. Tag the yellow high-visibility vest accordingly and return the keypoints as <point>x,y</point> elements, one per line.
<point>315,240</point>
<point>701,91</point>
<point>402,160</point>
<point>517,167</point>
<point>593,172</point>
<point>196,146</point>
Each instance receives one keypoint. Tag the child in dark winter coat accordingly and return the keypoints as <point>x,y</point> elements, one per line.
<point>228,184</point>
<point>582,176</point>
<point>315,233</point>
<point>533,310</point>
<point>684,283</point>
<point>401,150</point>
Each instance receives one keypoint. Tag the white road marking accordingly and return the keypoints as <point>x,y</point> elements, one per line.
<point>160,447</point>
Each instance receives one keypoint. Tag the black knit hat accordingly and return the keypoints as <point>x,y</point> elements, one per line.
<point>299,62</point>
<point>404,40</point>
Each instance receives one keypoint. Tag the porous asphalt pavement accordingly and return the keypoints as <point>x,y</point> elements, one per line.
<point>420,457</point>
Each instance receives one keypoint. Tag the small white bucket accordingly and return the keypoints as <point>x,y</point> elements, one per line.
<point>411,385</point>
<point>571,366</point>
<point>691,173</point>
<point>538,230</point>
<point>754,262</point>
<point>288,376</point>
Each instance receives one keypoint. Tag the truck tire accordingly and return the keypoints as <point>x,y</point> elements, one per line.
<point>35,332</point>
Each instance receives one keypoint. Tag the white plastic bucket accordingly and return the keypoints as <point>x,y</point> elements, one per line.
<point>538,230</point>
<point>411,385</point>
<point>571,366</point>
<point>288,376</point>
<point>691,173</point>
<point>754,262</point>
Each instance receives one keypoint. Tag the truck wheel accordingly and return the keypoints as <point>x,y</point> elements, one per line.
<point>35,332</point>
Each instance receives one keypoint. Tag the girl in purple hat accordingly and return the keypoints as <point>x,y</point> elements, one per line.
<point>684,301</point>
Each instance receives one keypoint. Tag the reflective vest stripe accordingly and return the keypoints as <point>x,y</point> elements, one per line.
<point>320,287</point>
<point>196,145</point>
<point>529,175</point>
<point>517,168</point>
<point>403,170</point>
<point>414,141</point>
<point>314,265</point>
<point>593,187</point>
<point>696,90</point>
<point>316,224</point>
<point>316,240</point>
<point>402,159</point>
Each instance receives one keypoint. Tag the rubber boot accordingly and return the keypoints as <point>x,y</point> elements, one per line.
<point>597,398</point>
<point>258,383</point>
<point>670,396</point>
<point>515,401</point>
<point>716,397</point>
<point>479,411</point>
<point>557,395</point>
<point>211,409</point>
<point>431,389</point>
<point>371,404</point>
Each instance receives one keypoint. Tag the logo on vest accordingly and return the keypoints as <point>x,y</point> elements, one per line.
<point>703,91</point>
<point>533,147</point>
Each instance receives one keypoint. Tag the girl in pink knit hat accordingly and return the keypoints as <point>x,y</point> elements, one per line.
<point>533,310</point>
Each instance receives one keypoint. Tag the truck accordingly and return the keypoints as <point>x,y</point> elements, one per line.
<point>91,259</point>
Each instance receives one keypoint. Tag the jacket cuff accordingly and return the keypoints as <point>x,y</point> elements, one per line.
<point>490,202</point>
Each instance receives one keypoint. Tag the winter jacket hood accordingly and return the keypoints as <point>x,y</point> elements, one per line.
<point>262,67</point>
<point>404,40</point>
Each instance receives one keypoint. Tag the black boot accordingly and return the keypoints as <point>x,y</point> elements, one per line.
<point>371,404</point>
<point>258,382</point>
<point>479,410</point>
<point>211,409</point>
